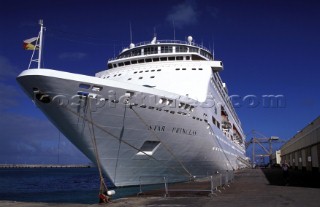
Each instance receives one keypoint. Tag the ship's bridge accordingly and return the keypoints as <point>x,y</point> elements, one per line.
<point>160,50</point>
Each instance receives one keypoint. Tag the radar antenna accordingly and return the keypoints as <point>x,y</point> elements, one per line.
<point>130,33</point>
<point>174,30</point>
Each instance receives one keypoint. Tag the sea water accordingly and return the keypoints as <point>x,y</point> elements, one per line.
<point>62,185</point>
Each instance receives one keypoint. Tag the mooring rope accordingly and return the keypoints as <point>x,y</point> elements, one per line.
<point>222,149</point>
<point>169,150</point>
<point>103,186</point>
<point>117,138</point>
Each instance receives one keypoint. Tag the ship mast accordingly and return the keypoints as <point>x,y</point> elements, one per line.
<point>40,43</point>
<point>38,46</point>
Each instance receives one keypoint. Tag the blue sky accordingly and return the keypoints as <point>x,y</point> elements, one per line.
<point>268,48</point>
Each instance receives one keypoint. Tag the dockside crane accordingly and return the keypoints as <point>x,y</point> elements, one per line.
<point>265,143</point>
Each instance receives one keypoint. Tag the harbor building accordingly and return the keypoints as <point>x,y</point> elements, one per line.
<point>302,151</point>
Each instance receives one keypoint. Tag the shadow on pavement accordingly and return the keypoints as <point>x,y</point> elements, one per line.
<point>295,178</point>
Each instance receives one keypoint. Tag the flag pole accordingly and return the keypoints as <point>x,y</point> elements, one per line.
<point>41,43</point>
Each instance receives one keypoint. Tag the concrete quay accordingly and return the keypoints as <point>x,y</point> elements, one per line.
<point>42,166</point>
<point>251,187</point>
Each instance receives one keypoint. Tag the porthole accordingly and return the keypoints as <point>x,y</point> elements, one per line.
<point>84,86</point>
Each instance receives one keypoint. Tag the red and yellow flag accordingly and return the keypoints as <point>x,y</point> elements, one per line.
<point>29,44</point>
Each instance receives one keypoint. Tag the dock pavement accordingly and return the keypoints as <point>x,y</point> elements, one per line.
<point>251,187</point>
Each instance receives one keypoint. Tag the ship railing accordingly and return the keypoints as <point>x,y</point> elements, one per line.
<point>171,42</point>
<point>162,180</point>
<point>200,184</point>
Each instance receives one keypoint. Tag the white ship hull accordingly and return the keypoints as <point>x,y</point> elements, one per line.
<point>122,117</point>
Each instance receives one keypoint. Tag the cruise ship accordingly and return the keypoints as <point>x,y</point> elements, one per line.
<point>159,110</point>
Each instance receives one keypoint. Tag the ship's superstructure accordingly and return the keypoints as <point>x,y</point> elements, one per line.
<point>159,110</point>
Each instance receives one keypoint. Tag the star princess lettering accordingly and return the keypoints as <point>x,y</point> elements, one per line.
<point>174,130</point>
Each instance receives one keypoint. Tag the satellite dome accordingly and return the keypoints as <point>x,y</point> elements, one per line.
<point>132,45</point>
<point>189,39</point>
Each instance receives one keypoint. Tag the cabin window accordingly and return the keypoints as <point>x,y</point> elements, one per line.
<point>187,57</point>
<point>194,69</point>
<point>193,49</point>
<point>171,58</point>
<point>177,68</point>
<point>159,70</point>
<point>179,58</point>
<point>155,59</point>
<point>114,65</point>
<point>181,49</point>
<point>129,78</point>
<point>164,58</point>
<point>149,147</point>
<point>110,65</point>
<point>140,77</point>
<point>184,69</point>
<point>166,49</point>
<point>127,63</point>
<point>150,50</point>
<point>148,60</point>
<point>153,70</point>
<point>152,77</point>
<point>141,61</point>
<point>133,62</point>
<point>120,64</point>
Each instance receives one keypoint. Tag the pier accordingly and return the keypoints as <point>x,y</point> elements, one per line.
<point>251,187</point>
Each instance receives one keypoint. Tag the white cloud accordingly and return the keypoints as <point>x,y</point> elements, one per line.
<point>26,139</point>
<point>183,14</point>
<point>72,55</point>
<point>6,68</point>
<point>9,96</point>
